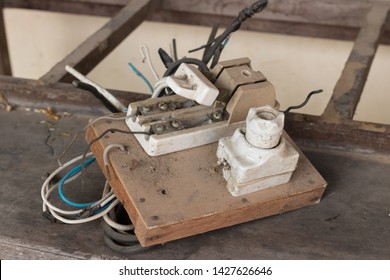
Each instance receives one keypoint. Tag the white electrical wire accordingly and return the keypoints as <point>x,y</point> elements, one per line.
<point>144,50</point>
<point>112,223</point>
<point>108,148</point>
<point>85,220</point>
<point>55,211</point>
<point>45,187</point>
<point>105,156</point>
<point>158,89</point>
<point>107,95</point>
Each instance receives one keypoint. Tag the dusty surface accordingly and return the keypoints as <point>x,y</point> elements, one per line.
<point>352,220</point>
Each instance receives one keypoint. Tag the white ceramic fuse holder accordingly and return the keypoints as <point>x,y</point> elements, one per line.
<point>190,83</point>
<point>258,157</point>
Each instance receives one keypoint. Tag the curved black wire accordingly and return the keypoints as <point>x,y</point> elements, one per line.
<point>166,59</point>
<point>303,103</point>
<point>117,247</point>
<point>126,238</point>
<point>122,242</point>
<point>173,66</point>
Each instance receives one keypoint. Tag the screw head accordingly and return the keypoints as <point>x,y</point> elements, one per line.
<point>162,105</point>
<point>176,124</point>
<point>159,128</point>
<point>217,115</point>
<point>146,109</point>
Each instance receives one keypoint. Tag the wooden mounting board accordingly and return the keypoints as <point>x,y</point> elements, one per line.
<point>182,194</point>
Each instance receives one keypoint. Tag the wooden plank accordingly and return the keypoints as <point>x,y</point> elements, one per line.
<point>263,25</point>
<point>314,131</point>
<point>182,194</point>
<point>339,19</point>
<point>5,64</point>
<point>93,50</point>
<point>347,92</point>
<point>62,97</point>
<point>330,12</point>
<point>107,8</point>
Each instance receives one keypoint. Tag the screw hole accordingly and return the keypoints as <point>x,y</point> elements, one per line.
<point>163,191</point>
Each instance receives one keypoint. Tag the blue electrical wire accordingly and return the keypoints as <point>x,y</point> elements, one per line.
<point>139,74</point>
<point>69,175</point>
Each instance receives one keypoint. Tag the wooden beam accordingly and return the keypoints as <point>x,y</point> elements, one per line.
<point>62,97</point>
<point>318,18</point>
<point>93,50</point>
<point>263,25</point>
<point>106,8</point>
<point>314,131</point>
<point>330,12</point>
<point>5,64</point>
<point>347,92</point>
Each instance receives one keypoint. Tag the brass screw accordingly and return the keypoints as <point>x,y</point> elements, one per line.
<point>159,128</point>
<point>146,109</point>
<point>176,124</point>
<point>217,115</point>
<point>163,106</point>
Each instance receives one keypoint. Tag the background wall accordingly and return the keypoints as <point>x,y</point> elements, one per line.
<point>295,65</point>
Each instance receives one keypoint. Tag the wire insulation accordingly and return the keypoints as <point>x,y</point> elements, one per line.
<point>139,74</point>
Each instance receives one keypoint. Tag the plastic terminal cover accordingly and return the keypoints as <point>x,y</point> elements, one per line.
<point>190,83</point>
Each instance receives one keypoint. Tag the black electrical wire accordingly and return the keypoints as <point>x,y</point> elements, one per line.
<point>303,103</point>
<point>235,25</point>
<point>211,39</point>
<point>96,93</point>
<point>173,67</point>
<point>166,59</point>
<point>126,238</point>
<point>201,47</point>
<point>120,248</point>
<point>174,48</point>
<point>122,242</point>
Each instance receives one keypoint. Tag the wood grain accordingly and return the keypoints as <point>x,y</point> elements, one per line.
<point>183,193</point>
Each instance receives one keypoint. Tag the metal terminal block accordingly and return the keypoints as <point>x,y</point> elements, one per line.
<point>186,126</point>
<point>178,122</point>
